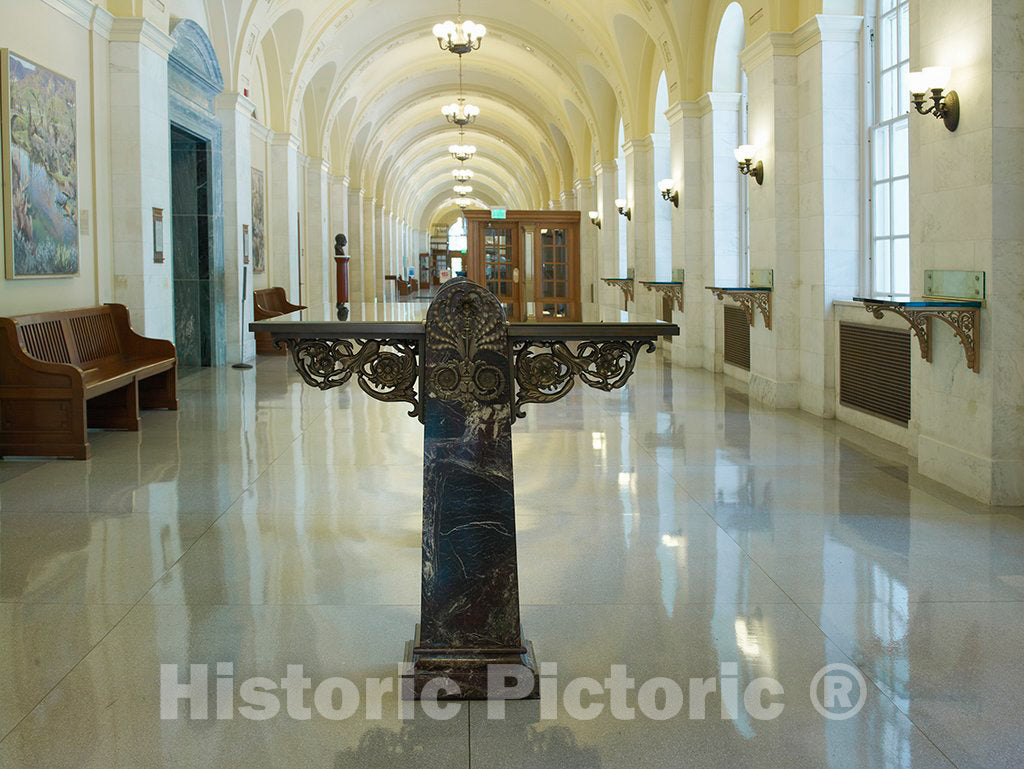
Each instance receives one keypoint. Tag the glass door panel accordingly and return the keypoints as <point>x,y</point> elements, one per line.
<point>500,266</point>
<point>553,294</point>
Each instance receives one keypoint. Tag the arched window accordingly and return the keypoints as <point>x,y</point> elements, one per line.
<point>457,240</point>
<point>662,170</point>
<point>889,148</point>
<point>620,162</point>
<point>731,191</point>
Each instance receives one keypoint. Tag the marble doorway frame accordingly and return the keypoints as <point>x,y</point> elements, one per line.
<point>194,81</point>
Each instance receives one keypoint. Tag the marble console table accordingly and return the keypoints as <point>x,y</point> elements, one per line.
<point>961,315</point>
<point>749,298</point>
<point>626,285</point>
<point>467,375</point>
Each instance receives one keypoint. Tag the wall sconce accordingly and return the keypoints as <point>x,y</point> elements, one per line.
<point>745,157</point>
<point>669,191</point>
<point>595,219</point>
<point>946,107</point>
<point>620,203</point>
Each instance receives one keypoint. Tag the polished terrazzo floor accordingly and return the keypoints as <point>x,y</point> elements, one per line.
<point>672,527</point>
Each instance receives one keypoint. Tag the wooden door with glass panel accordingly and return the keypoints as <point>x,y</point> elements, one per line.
<point>500,265</point>
<point>556,273</point>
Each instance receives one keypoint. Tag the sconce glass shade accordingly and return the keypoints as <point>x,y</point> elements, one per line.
<point>620,202</point>
<point>595,215</point>
<point>937,78</point>
<point>744,153</point>
<point>666,185</point>
<point>918,82</point>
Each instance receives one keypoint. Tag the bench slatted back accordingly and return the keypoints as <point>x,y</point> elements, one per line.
<point>45,340</point>
<point>94,335</point>
<point>80,337</point>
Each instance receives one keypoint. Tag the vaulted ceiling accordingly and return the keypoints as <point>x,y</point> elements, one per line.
<point>362,83</point>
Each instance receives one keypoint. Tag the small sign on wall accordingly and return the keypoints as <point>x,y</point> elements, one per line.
<point>158,235</point>
<point>245,244</point>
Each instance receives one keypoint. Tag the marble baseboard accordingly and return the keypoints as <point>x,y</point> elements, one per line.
<point>820,401</point>
<point>779,395</point>
<point>991,481</point>
<point>883,428</point>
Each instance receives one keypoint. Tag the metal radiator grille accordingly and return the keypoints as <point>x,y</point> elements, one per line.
<point>737,337</point>
<point>874,370</point>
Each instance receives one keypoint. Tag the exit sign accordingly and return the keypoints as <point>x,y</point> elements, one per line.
<point>499,213</point>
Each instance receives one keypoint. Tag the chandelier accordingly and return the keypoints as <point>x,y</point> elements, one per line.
<point>462,152</point>
<point>463,203</point>
<point>459,37</point>
<point>463,189</point>
<point>459,113</point>
<point>462,175</point>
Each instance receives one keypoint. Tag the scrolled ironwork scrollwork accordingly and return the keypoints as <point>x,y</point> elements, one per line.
<point>386,370</point>
<point>546,371</point>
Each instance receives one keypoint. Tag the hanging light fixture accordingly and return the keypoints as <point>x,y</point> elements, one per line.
<point>463,189</point>
<point>462,152</point>
<point>462,175</point>
<point>459,37</point>
<point>463,203</point>
<point>460,113</point>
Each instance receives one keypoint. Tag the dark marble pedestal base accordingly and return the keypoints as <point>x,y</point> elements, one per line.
<point>468,668</point>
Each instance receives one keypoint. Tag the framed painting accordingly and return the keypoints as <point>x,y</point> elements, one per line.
<point>39,155</point>
<point>259,237</point>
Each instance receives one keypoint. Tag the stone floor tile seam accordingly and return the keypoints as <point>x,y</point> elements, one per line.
<point>82,659</point>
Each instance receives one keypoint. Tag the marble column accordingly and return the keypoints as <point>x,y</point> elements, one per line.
<point>356,249</point>
<point>283,209</point>
<point>586,200</point>
<point>830,197</point>
<point>319,250</point>
<point>370,263</point>
<point>967,195</point>
<point>568,199</point>
<point>688,231</point>
<point>234,112</point>
<point>140,173</point>
<point>608,236</point>
<point>338,212</point>
<point>379,251</point>
<point>640,192</point>
<point>773,128</point>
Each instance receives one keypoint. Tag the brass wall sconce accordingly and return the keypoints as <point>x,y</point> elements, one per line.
<point>669,191</point>
<point>745,157</point>
<point>945,105</point>
<point>620,204</point>
<point>595,219</point>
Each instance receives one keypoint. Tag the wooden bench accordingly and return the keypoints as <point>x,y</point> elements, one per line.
<point>270,303</point>
<point>52,363</point>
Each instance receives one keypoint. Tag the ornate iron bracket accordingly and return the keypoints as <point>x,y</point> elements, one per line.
<point>626,285</point>
<point>965,322</point>
<point>749,300</point>
<point>674,291</point>
<point>386,370</point>
<point>545,371</point>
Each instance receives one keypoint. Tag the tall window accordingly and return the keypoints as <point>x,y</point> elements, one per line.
<point>620,161</point>
<point>457,240</point>
<point>890,151</point>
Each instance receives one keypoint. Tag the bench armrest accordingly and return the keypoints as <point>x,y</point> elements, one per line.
<point>136,345</point>
<point>19,369</point>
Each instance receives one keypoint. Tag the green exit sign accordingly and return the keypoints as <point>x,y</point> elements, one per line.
<point>499,213</point>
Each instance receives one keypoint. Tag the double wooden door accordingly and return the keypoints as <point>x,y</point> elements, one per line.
<point>530,261</point>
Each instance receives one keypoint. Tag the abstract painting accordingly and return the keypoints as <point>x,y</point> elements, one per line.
<point>38,149</point>
<point>259,238</point>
